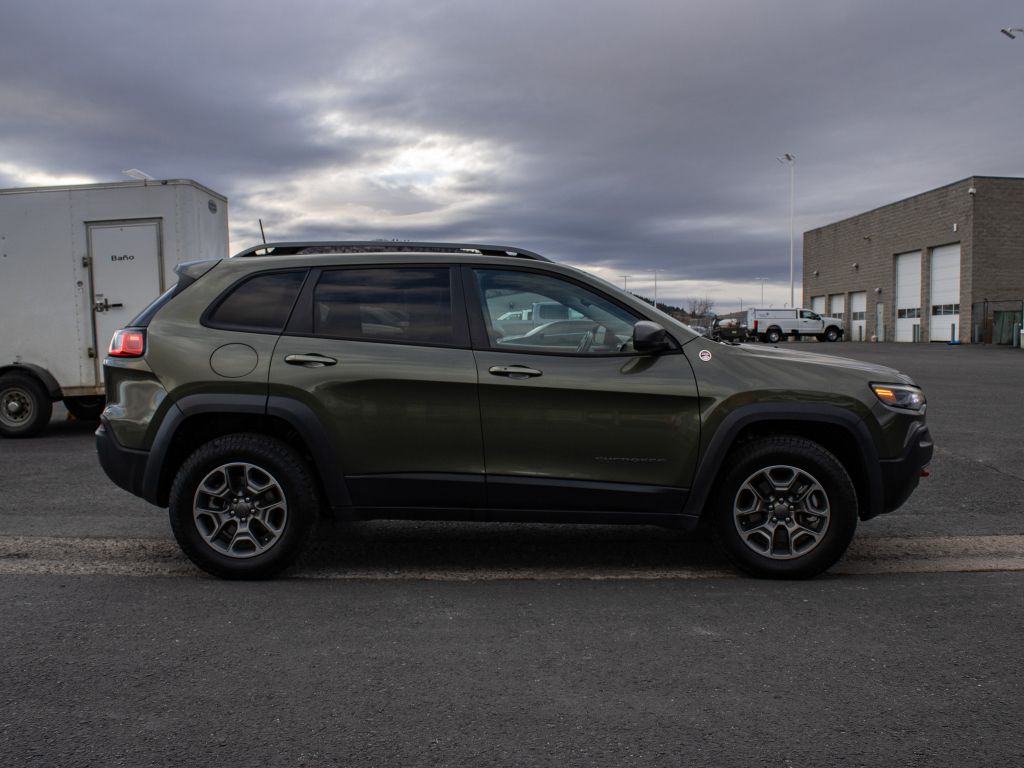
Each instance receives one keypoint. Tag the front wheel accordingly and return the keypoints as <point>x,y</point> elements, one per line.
<point>831,334</point>
<point>243,506</point>
<point>786,508</point>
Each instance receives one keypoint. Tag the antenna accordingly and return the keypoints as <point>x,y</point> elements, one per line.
<point>262,233</point>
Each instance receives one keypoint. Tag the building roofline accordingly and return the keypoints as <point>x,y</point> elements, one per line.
<point>912,197</point>
<point>114,185</point>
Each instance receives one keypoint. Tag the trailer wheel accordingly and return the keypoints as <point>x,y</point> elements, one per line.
<point>25,408</point>
<point>85,408</point>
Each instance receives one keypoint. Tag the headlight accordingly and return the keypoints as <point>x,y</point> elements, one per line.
<point>900,396</point>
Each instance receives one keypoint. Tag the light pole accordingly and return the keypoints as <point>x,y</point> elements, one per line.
<point>763,281</point>
<point>656,288</point>
<point>790,159</point>
<point>625,282</point>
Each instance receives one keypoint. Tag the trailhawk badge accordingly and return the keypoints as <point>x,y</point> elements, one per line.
<point>704,355</point>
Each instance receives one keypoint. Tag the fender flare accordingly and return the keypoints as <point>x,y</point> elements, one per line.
<point>725,436</point>
<point>45,377</point>
<point>298,415</point>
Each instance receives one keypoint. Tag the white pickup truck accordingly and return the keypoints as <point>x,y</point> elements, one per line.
<point>771,325</point>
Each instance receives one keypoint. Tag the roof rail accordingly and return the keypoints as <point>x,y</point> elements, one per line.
<point>384,246</point>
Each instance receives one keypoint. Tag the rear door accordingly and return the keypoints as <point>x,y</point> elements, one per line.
<point>380,355</point>
<point>126,263</point>
<point>578,421</point>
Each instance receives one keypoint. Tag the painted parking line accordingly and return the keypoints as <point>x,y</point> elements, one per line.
<point>70,556</point>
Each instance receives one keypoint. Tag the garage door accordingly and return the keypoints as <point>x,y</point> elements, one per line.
<point>837,305</point>
<point>944,292</point>
<point>818,304</point>
<point>908,296</point>
<point>858,308</point>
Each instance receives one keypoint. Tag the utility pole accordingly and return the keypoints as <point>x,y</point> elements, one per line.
<point>625,282</point>
<point>790,159</point>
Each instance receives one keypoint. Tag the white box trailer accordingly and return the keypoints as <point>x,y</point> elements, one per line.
<point>77,263</point>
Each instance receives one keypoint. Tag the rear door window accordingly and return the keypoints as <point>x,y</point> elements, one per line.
<point>410,305</point>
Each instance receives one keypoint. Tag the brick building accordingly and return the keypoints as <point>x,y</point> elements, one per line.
<point>945,264</point>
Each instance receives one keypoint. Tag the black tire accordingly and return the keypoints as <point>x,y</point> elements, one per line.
<point>234,539</point>
<point>784,540</point>
<point>85,408</point>
<point>831,333</point>
<point>773,336</point>
<point>25,407</point>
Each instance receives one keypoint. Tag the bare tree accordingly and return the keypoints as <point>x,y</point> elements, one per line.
<point>699,307</point>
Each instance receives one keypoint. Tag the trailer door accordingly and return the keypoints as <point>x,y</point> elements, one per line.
<point>126,275</point>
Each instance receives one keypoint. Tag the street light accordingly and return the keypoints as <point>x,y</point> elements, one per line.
<point>790,159</point>
<point>1009,32</point>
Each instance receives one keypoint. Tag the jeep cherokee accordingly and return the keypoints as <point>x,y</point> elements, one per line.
<point>379,380</point>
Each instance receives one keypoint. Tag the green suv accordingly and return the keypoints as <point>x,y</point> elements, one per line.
<point>408,380</point>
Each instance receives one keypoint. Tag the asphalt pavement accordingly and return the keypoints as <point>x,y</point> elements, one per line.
<point>399,643</point>
<point>863,671</point>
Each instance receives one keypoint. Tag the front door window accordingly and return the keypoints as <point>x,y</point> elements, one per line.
<point>533,312</point>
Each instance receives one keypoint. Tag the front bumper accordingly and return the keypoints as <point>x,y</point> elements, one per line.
<point>900,476</point>
<point>124,466</point>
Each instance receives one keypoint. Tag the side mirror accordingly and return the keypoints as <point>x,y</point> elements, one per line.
<point>650,337</point>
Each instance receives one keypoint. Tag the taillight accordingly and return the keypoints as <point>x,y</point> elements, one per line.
<point>755,326</point>
<point>128,343</point>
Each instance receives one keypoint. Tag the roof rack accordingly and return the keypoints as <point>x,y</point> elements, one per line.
<point>384,246</point>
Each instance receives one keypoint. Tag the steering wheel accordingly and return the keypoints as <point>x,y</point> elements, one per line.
<point>588,339</point>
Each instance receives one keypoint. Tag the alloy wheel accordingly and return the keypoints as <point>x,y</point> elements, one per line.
<point>781,512</point>
<point>240,510</point>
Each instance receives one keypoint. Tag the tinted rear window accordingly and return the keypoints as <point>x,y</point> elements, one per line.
<point>261,304</point>
<point>409,305</point>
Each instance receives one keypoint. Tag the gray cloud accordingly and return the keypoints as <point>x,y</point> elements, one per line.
<point>627,135</point>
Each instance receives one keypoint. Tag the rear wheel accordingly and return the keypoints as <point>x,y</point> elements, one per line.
<point>786,508</point>
<point>85,408</point>
<point>243,506</point>
<point>25,408</point>
<point>773,336</point>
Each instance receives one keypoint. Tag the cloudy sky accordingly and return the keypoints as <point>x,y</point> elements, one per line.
<point>623,137</point>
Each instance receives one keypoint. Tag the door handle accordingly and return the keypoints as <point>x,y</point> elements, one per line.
<point>310,361</point>
<point>105,306</point>
<point>514,371</point>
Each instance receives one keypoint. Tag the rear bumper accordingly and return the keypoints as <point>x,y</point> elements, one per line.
<point>900,476</point>
<point>124,466</point>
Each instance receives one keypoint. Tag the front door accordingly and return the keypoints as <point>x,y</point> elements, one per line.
<point>809,323</point>
<point>127,274</point>
<point>573,418</point>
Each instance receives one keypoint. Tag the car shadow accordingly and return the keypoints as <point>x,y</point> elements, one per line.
<point>513,550</point>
